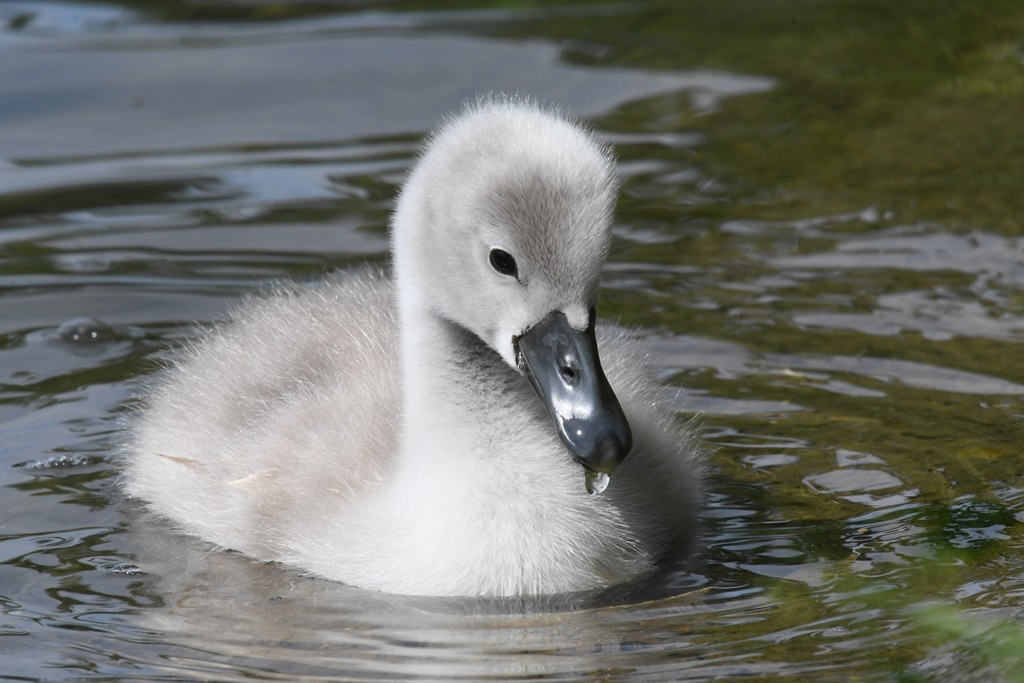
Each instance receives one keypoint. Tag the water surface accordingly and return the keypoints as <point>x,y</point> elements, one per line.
<point>819,240</point>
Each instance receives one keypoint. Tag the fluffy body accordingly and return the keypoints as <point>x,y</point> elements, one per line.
<point>377,431</point>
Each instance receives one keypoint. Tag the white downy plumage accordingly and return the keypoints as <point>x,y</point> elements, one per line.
<point>383,433</point>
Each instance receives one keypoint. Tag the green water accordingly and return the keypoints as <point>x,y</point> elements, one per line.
<point>819,238</point>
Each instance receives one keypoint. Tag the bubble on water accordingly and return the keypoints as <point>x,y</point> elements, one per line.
<point>85,330</point>
<point>597,482</point>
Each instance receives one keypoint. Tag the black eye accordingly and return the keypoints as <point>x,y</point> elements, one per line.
<point>503,262</point>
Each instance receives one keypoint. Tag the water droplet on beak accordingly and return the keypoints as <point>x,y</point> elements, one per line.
<point>597,482</point>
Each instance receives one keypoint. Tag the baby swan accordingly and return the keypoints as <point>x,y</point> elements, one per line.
<point>426,435</point>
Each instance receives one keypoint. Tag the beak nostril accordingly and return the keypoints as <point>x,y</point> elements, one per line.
<point>567,373</point>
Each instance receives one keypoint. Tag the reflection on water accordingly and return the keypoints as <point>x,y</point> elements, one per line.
<point>856,373</point>
<point>332,80</point>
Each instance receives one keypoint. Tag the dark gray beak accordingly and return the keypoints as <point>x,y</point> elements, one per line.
<point>564,369</point>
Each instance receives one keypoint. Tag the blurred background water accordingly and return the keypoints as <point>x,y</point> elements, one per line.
<point>819,238</point>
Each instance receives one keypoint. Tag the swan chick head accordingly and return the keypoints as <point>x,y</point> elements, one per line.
<point>502,229</point>
<point>506,218</point>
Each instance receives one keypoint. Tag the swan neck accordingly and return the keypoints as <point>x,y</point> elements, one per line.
<point>429,350</point>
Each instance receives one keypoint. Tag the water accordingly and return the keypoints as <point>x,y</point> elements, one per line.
<point>596,482</point>
<point>819,240</point>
